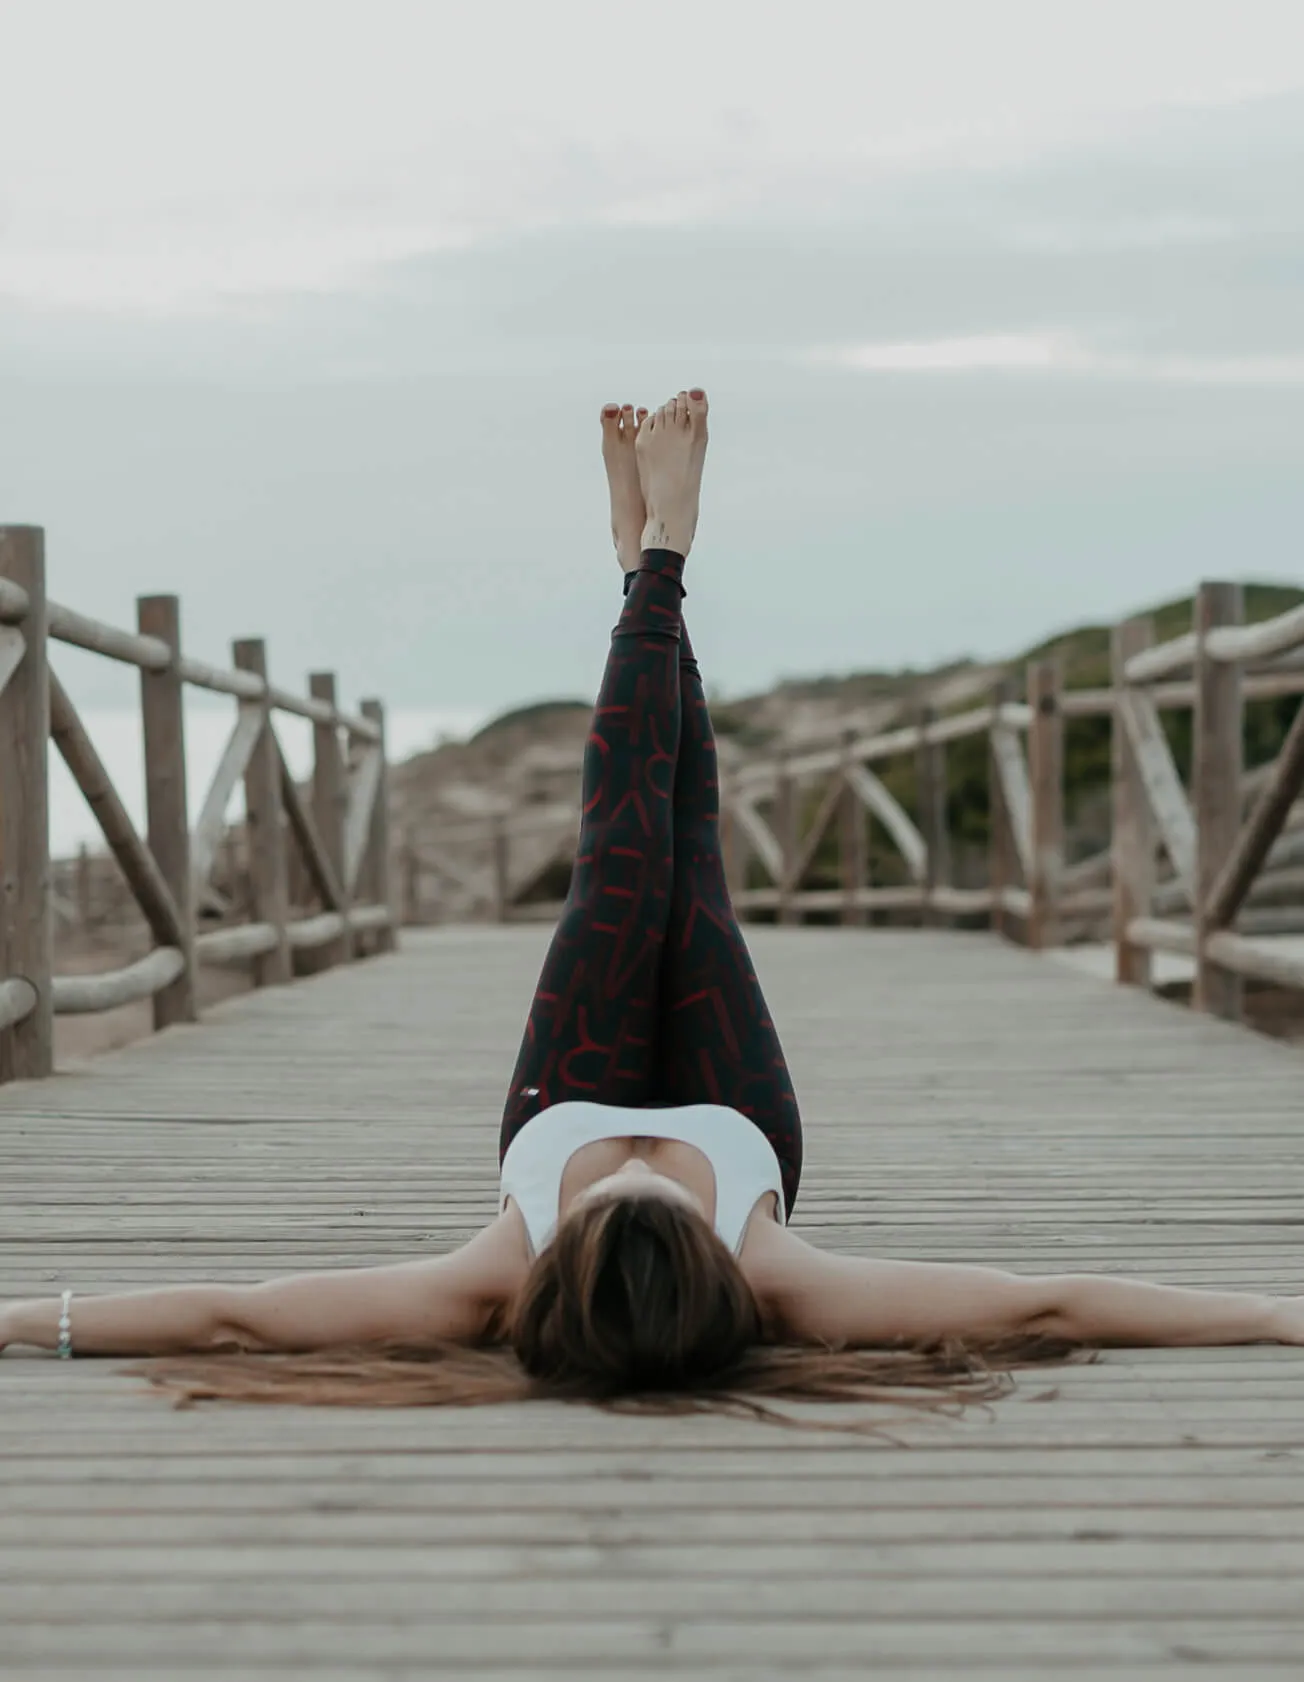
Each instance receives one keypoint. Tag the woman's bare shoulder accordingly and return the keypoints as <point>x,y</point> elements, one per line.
<point>499,1254</point>
<point>771,1257</point>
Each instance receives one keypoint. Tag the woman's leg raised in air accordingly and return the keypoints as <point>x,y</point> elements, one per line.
<point>591,1029</point>
<point>716,1040</point>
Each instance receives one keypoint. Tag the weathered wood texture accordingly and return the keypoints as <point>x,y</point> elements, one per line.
<point>27,1043</point>
<point>963,1100</point>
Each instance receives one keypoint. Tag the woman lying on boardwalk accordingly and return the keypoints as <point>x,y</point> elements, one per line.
<point>651,1143</point>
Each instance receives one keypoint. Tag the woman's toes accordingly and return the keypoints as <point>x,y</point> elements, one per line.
<point>697,404</point>
<point>681,409</point>
<point>610,417</point>
<point>627,427</point>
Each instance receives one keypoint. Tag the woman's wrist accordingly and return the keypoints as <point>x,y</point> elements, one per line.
<point>34,1324</point>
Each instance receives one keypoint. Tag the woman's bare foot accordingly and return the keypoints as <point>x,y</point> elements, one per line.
<point>671,452</point>
<point>620,428</point>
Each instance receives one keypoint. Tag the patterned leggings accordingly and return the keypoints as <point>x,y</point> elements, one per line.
<point>647,995</point>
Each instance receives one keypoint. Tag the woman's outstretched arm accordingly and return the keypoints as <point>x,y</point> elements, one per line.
<point>454,1296</point>
<point>851,1300</point>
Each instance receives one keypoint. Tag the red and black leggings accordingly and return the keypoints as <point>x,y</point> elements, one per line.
<point>647,996</point>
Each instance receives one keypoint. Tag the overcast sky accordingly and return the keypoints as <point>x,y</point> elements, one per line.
<point>306,311</point>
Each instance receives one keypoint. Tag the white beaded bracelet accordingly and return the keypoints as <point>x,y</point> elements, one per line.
<point>65,1327</point>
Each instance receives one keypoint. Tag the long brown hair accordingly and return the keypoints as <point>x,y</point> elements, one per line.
<point>636,1306</point>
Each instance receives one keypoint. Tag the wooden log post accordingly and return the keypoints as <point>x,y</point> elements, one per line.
<point>930,783</point>
<point>785,827</point>
<point>500,871</point>
<point>411,880</point>
<point>1002,858</point>
<point>1046,776</point>
<point>330,805</point>
<point>166,809</point>
<point>26,1046</point>
<point>379,865</point>
<point>853,842</point>
<point>1216,773</point>
<point>82,874</point>
<point>265,831</point>
<point>1133,835</point>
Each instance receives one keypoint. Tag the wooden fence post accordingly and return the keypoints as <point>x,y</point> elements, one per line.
<point>379,864</point>
<point>411,885</point>
<point>1046,776</point>
<point>853,842</point>
<point>930,783</point>
<point>1002,861</point>
<point>1133,832</point>
<point>27,1046</point>
<point>330,804</point>
<point>83,888</point>
<point>500,863</point>
<point>785,826</point>
<point>1217,769</point>
<point>265,829</point>
<point>166,809</point>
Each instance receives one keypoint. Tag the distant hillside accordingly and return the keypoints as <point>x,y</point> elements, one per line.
<point>531,755</point>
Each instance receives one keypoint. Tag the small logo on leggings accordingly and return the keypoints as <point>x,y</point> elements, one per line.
<point>529,1092</point>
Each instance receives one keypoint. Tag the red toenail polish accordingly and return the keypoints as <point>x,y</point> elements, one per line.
<point>697,395</point>
<point>612,410</point>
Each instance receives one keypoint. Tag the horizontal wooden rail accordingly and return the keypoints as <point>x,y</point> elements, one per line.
<point>168,869</point>
<point>1169,697</point>
<point>247,941</point>
<point>152,654</point>
<point>18,999</point>
<point>1224,644</point>
<point>83,995</point>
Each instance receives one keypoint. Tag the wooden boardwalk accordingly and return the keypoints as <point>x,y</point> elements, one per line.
<point>963,1099</point>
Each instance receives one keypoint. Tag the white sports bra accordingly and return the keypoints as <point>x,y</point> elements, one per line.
<point>741,1157</point>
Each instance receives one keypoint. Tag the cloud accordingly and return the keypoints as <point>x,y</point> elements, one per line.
<point>1051,353</point>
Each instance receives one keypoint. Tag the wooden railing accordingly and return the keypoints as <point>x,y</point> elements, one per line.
<point>340,829</point>
<point>778,812</point>
<point>1217,854</point>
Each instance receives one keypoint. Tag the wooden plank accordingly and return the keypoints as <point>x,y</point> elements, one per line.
<point>135,860</point>
<point>1003,854</point>
<point>364,784</point>
<point>13,646</point>
<point>1016,794</point>
<point>872,794</point>
<point>167,817</point>
<point>934,827</point>
<point>1218,730</point>
<point>1261,831</point>
<point>265,822</point>
<point>1132,834</point>
<point>1155,1505</point>
<point>764,842</point>
<point>808,845</point>
<point>27,1043</point>
<point>786,798</point>
<point>211,824</point>
<point>378,878</point>
<point>1158,775</point>
<point>1046,820</point>
<point>853,846</point>
<point>330,798</point>
<point>304,829</point>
